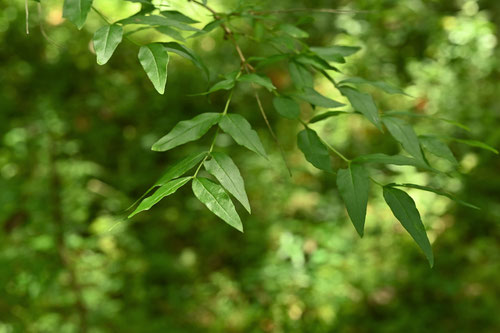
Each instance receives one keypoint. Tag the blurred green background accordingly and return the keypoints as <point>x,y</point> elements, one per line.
<point>75,152</point>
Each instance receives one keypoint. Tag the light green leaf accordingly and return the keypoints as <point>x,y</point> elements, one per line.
<point>354,186</point>
<point>241,131</point>
<point>177,16</point>
<point>393,159</point>
<point>438,192</point>
<point>165,190</point>
<point>171,32</point>
<point>474,143</point>
<point>106,39</point>
<point>217,201</point>
<point>378,84</point>
<point>404,134</point>
<point>76,11</point>
<point>175,171</point>
<point>314,150</point>
<point>186,53</point>
<point>363,103</point>
<point>335,53</point>
<point>186,131</point>
<point>258,79</point>
<point>226,84</point>
<point>300,75</point>
<point>154,59</point>
<point>404,209</point>
<point>287,107</point>
<point>223,168</point>
<point>326,115</point>
<point>313,97</point>
<point>293,31</point>
<point>438,148</point>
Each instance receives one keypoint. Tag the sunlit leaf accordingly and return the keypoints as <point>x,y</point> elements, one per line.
<point>186,131</point>
<point>106,39</point>
<point>241,131</point>
<point>217,201</point>
<point>154,59</point>
<point>76,11</point>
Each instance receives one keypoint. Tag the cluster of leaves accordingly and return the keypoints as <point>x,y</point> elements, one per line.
<point>303,61</point>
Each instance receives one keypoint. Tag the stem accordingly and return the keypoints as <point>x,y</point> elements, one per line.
<point>105,19</point>
<point>26,9</point>
<point>376,182</point>
<point>329,146</point>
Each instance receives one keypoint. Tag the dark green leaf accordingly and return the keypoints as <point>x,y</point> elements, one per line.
<point>326,115</point>
<point>313,97</point>
<point>354,186</point>
<point>223,168</point>
<point>417,115</point>
<point>76,11</point>
<point>300,75</point>
<point>474,143</point>
<point>438,192</point>
<point>106,39</point>
<point>393,159</point>
<point>363,103</point>
<point>314,150</point>
<point>177,16</point>
<point>165,190</point>
<point>378,84</point>
<point>171,32</point>
<point>287,107</point>
<point>438,148</point>
<point>241,131</point>
<point>404,209</point>
<point>293,31</point>
<point>404,134</point>
<point>156,20</point>
<point>186,53</point>
<point>154,59</point>
<point>186,131</point>
<point>315,61</point>
<point>217,201</point>
<point>335,53</point>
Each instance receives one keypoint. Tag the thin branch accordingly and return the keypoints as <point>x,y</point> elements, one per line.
<point>27,17</point>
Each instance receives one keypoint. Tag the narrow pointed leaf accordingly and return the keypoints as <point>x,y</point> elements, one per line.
<point>326,115</point>
<point>177,16</point>
<point>76,11</point>
<point>314,150</point>
<point>313,97</point>
<point>258,79</point>
<point>393,159</point>
<point>438,192</point>
<point>335,53</point>
<point>106,39</point>
<point>186,53</point>
<point>287,107</point>
<point>156,20</point>
<point>223,168</point>
<point>165,190</point>
<point>171,32</point>
<point>475,143</point>
<point>186,131</point>
<point>354,186</point>
<point>404,134</point>
<point>378,84</point>
<point>300,75</point>
<point>154,59</point>
<point>404,209</point>
<point>437,147</point>
<point>363,103</point>
<point>241,131</point>
<point>217,201</point>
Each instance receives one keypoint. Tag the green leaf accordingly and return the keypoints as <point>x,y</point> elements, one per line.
<point>258,79</point>
<point>404,134</point>
<point>315,61</point>
<point>226,84</point>
<point>417,115</point>
<point>217,201</point>
<point>378,84</point>
<point>171,32</point>
<point>474,143</point>
<point>177,16</point>
<point>300,75</point>
<point>174,171</point>
<point>293,31</point>
<point>335,53</point>
<point>438,148</point>
<point>314,150</point>
<point>363,103</point>
<point>354,186</point>
<point>404,209</point>
<point>313,97</point>
<point>287,107</point>
<point>223,168</point>
<point>76,11</point>
<point>154,59</point>
<point>393,159</point>
<point>166,190</point>
<point>186,53</point>
<point>186,131</point>
<point>106,39</point>
<point>156,20</point>
<point>326,115</point>
<point>438,192</point>
<point>241,131</point>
